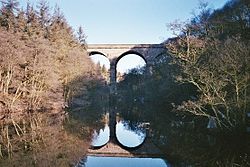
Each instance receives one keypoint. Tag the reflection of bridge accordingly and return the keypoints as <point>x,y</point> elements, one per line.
<point>114,52</point>
<point>113,148</point>
<point>148,149</point>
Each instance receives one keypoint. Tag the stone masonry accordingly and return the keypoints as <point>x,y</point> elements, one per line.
<point>114,52</point>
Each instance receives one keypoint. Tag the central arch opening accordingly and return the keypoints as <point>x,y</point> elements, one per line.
<point>128,62</point>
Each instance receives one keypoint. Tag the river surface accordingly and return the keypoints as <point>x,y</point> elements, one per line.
<point>124,134</point>
<point>128,135</point>
<point>92,161</point>
<point>182,142</point>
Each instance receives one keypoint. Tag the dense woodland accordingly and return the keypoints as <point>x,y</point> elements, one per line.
<point>43,67</point>
<point>46,78</point>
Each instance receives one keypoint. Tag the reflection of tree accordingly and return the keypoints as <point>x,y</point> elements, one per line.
<point>136,127</point>
<point>88,106</point>
<point>192,147</point>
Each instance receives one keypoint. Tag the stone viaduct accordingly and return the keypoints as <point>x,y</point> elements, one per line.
<point>114,52</point>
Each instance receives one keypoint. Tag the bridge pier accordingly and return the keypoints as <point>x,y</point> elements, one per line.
<point>112,77</point>
<point>248,122</point>
<point>112,101</point>
<point>112,125</point>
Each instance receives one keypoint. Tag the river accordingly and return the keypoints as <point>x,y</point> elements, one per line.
<point>141,136</point>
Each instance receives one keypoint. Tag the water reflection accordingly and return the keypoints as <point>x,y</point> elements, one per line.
<point>128,136</point>
<point>92,161</point>
<point>101,138</point>
<point>185,140</point>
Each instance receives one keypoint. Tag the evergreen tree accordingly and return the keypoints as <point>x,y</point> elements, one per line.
<point>81,36</point>
<point>33,26</point>
<point>232,20</point>
<point>7,13</point>
<point>44,16</point>
<point>60,30</point>
<point>21,22</point>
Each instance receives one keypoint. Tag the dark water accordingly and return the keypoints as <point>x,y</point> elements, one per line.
<point>92,161</point>
<point>187,143</point>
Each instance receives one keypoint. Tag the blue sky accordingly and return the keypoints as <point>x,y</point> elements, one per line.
<point>126,21</point>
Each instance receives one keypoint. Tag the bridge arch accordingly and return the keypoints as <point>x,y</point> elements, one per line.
<point>101,61</point>
<point>128,61</point>
<point>128,53</point>
<point>114,52</point>
<point>96,53</point>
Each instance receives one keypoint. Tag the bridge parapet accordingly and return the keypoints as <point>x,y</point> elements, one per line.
<point>123,46</point>
<point>116,51</point>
